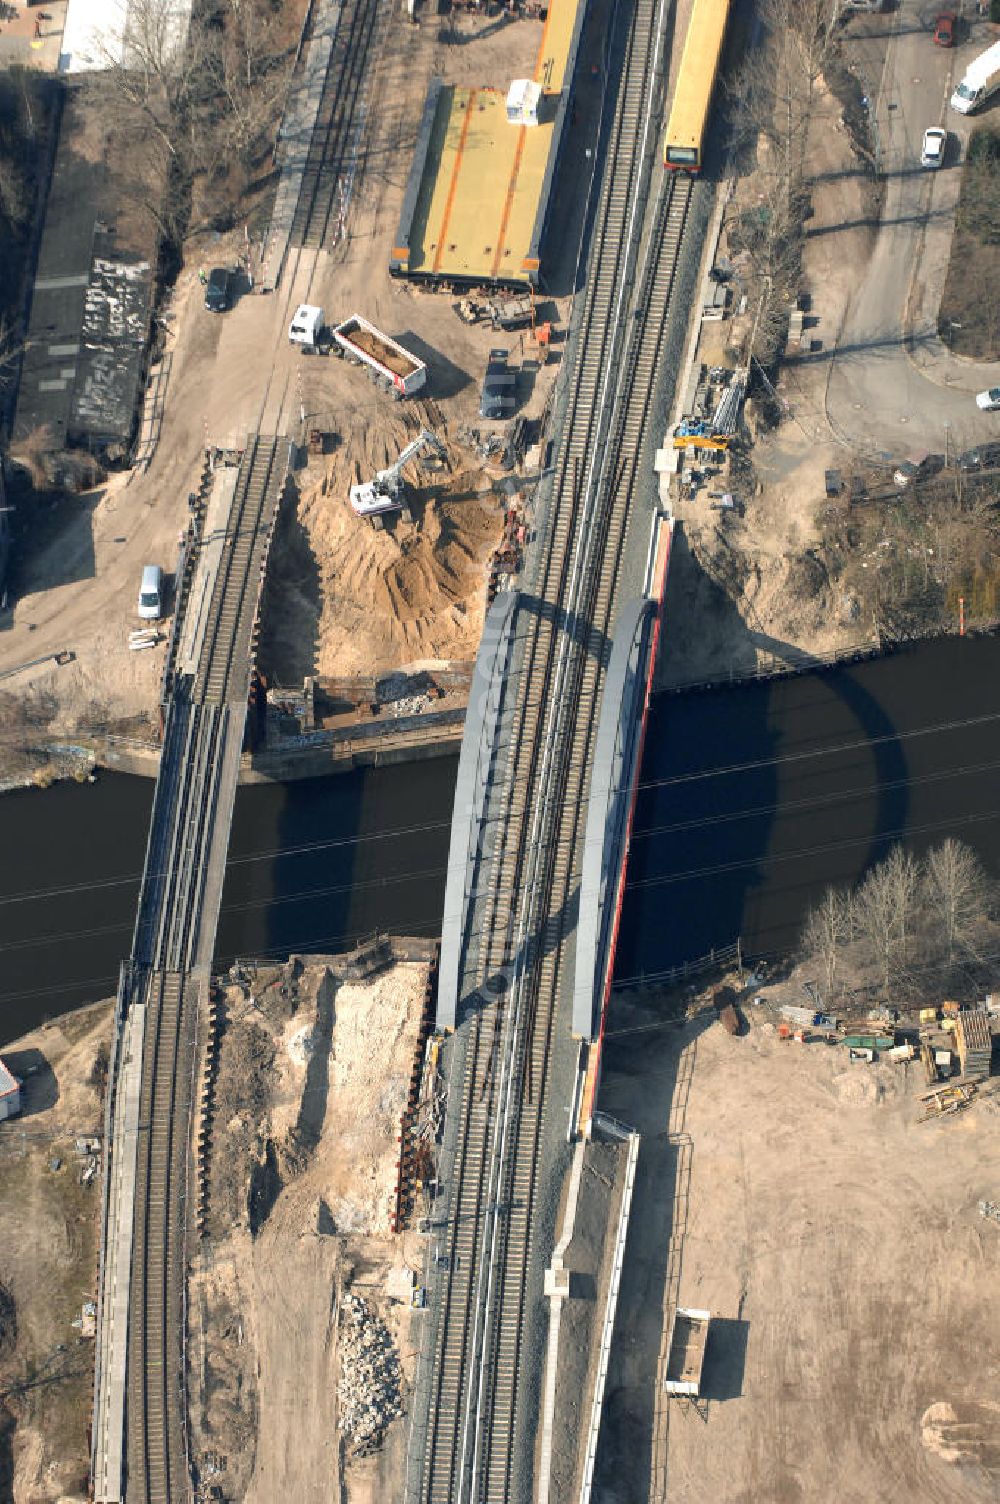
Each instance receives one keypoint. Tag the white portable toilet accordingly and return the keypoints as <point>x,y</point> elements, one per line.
<point>522,102</point>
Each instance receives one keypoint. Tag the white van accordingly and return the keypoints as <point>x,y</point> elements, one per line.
<point>151,593</point>
<point>982,78</point>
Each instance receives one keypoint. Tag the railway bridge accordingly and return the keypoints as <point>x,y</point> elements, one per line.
<point>543,808</point>
<point>139,1449</point>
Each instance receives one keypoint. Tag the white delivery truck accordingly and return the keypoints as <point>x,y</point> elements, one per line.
<point>982,78</point>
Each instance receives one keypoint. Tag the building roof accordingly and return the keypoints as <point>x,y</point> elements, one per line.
<point>477,200</point>
<point>92,296</point>
<point>102,34</point>
<point>8,1082</point>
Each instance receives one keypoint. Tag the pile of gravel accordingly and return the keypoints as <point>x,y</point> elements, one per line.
<point>368,1391</point>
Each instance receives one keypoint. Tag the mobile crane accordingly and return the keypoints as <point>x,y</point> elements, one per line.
<point>385,492</point>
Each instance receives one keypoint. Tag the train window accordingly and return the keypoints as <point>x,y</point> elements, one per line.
<point>683,156</point>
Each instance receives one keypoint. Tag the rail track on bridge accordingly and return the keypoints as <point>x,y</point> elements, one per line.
<point>171,955</point>
<point>470,1446</point>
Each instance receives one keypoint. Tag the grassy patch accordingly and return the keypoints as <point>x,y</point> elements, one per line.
<point>969,319</point>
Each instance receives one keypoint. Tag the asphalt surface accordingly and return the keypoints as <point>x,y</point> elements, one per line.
<point>893,385</point>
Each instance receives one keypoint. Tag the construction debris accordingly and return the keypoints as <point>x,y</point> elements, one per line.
<point>369,1389</point>
<point>947,1099</point>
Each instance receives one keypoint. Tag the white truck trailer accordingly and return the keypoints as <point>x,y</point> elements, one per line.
<point>686,1354</point>
<point>362,341</point>
<point>981,80</point>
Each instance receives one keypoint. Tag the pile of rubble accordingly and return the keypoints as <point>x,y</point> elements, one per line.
<point>368,1391</point>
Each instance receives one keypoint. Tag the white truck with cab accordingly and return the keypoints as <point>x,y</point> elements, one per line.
<point>981,80</point>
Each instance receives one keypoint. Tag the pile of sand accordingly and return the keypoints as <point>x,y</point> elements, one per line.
<point>414,589</point>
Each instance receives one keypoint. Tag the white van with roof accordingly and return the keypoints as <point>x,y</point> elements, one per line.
<point>981,80</point>
<point>151,593</point>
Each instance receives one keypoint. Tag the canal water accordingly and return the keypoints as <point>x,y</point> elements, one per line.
<point>313,865</point>
<point>752,798</point>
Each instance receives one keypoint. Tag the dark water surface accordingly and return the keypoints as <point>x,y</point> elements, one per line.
<point>311,868</point>
<point>753,798</point>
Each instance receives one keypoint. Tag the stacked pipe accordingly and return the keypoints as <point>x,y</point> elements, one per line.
<point>508,557</point>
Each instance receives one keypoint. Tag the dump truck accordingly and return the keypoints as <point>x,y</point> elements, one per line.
<point>686,1353</point>
<point>361,341</point>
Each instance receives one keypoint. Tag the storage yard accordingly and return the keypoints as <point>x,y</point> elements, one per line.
<point>833,1230</point>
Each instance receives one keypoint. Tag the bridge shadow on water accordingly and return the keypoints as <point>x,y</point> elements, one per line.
<point>320,864</point>
<point>753,796</point>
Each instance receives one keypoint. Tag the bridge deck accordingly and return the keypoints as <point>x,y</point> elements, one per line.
<point>140,1439</point>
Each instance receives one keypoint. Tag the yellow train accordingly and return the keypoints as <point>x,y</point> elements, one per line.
<point>685,134</point>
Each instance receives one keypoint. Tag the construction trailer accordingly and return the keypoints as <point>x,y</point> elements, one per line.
<point>686,1353</point>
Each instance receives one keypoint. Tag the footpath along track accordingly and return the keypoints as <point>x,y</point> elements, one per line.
<point>166,978</point>
<point>470,1442</point>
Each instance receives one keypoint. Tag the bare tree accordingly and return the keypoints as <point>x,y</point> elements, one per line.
<point>827,928</point>
<point>908,923</point>
<point>875,913</point>
<point>958,893</point>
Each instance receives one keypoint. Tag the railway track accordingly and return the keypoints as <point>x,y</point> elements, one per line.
<point>171,954</point>
<point>224,665</point>
<point>471,1444</point>
<point>336,136</point>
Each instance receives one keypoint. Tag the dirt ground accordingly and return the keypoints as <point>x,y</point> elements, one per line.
<point>267,1292</point>
<point>345,599</point>
<point>745,573</point>
<point>48,1262</point>
<point>836,1240</point>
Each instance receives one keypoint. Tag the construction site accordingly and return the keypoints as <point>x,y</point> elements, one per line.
<point>829,1251</point>
<point>445,1221</point>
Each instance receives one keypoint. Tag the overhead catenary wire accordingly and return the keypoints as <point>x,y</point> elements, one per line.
<point>306,947</point>
<point>863,838</point>
<point>304,895</point>
<point>401,832</point>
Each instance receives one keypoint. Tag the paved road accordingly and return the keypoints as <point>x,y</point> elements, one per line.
<point>893,384</point>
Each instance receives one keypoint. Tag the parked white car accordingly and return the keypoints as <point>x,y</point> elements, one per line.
<point>989,401</point>
<point>932,154</point>
<point>151,593</point>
